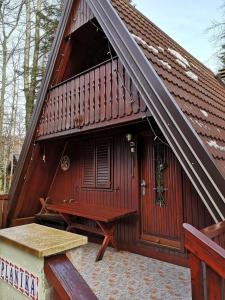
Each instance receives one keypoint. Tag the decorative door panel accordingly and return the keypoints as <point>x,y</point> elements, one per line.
<point>161,195</point>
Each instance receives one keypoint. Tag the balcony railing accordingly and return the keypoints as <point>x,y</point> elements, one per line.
<point>103,94</point>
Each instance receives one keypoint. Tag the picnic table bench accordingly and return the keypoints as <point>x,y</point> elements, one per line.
<point>105,217</point>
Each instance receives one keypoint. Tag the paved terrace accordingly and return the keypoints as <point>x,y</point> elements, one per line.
<point>123,275</point>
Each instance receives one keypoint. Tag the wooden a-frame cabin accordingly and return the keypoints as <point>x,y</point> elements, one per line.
<point>125,118</point>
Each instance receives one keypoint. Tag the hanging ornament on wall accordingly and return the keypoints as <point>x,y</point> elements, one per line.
<point>65,163</point>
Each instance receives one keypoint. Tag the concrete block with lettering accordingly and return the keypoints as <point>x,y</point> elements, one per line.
<point>22,253</point>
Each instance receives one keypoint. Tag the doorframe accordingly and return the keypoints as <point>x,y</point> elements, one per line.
<point>151,239</point>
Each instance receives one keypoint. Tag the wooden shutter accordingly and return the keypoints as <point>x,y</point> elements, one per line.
<point>89,165</point>
<point>103,164</point>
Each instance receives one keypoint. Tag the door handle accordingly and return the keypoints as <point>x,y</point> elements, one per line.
<point>143,187</point>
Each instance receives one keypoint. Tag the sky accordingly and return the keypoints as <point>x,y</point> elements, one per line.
<point>187,23</point>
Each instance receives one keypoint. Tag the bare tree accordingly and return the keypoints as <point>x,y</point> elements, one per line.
<point>10,13</point>
<point>27,30</point>
<point>39,39</point>
<point>218,32</point>
<point>7,29</point>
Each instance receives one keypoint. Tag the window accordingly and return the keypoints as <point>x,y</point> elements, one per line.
<point>97,164</point>
<point>160,168</point>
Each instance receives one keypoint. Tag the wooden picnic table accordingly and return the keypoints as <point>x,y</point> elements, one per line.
<point>105,217</point>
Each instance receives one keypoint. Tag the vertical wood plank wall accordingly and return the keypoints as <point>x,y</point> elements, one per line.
<point>125,191</point>
<point>83,15</point>
<point>195,212</point>
<point>37,180</point>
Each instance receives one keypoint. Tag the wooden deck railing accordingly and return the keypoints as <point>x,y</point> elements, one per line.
<point>101,94</point>
<point>207,263</point>
<point>67,283</point>
<point>3,210</point>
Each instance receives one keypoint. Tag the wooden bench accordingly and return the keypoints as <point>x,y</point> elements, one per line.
<point>106,218</point>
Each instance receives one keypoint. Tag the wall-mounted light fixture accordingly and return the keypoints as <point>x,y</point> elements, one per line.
<point>129,137</point>
<point>132,144</point>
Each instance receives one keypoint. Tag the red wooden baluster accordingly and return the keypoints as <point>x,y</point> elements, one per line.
<point>72,111</point>
<point>97,94</point>
<point>64,107</point>
<point>92,97</point>
<point>109,91</point>
<point>87,98</point>
<point>136,99</point>
<point>196,278</point>
<point>68,105</point>
<point>81,117</point>
<point>77,102</point>
<point>103,92</point>
<point>115,102</point>
<point>128,94</point>
<point>214,285</point>
<point>121,89</point>
<point>60,108</point>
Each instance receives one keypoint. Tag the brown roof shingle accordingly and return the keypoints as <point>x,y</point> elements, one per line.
<point>199,94</point>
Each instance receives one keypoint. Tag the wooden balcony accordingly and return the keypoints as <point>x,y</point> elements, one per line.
<point>101,96</point>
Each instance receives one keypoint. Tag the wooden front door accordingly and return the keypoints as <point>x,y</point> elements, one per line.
<point>161,196</point>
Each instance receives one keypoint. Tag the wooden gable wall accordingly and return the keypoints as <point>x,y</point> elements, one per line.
<point>82,16</point>
<point>101,96</point>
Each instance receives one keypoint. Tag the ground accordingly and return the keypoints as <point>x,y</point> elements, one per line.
<point>124,275</point>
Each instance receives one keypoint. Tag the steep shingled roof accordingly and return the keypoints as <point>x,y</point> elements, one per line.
<point>199,94</point>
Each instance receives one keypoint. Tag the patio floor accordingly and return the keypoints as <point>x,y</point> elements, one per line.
<point>123,275</point>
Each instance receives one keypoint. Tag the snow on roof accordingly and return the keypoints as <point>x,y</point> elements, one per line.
<point>165,64</point>
<point>179,56</point>
<point>202,125</point>
<point>199,123</point>
<point>192,75</point>
<point>160,48</point>
<point>216,146</point>
<point>204,113</point>
<point>181,63</point>
<point>140,40</point>
<point>153,49</point>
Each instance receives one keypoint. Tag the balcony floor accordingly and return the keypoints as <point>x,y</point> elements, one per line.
<point>124,275</point>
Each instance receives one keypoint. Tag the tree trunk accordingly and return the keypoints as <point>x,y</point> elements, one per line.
<point>35,66</point>
<point>26,76</point>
